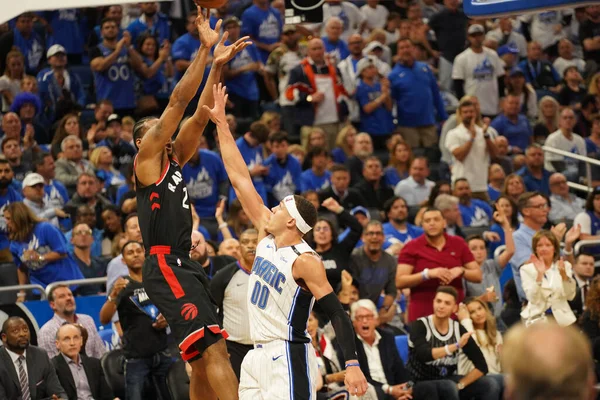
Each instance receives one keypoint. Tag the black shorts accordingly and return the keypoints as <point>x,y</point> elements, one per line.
<point>179,289</point>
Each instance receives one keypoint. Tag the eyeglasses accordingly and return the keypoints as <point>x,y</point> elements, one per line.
<point>322,229</point>
<point>364,317</point>
<point>558,183</point>
<point>544,206</point>
<point>89,232</point>
<point>373,233</point>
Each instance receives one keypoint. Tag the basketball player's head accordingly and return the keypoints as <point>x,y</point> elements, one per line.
<point>141,127</point>
<point>133,255</point>
<point>445,302</point>
<point>293,214</point>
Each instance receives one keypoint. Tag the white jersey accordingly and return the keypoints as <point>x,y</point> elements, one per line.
<point>278,308</point>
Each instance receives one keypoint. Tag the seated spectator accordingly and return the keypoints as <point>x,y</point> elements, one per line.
<point>344,144</point>
<point>363,148</point>
<point>565,205</point>
<point>35,199</point>
<point>146,361</point>
<point>10,82</point>
<point>534,175</point>
<point>123,152</point>
<point>69,168</point>
<point>372,186</point>
<point>509,208</point>
<point>101,159</point>
<point>375,270</point>
<point>374,99</point>
<point>397,230</point>
<point>547,120</point>
<point>589,220</point>
<point>68,125</point>
<point>250,145</point>
<point>102,110</point>
<point>230,247</point>
<point>416,188</point>
<point>509,54</point>
<point>28,106</point>
<point>399,164</point>
<point>438,337</point>
<point>517,86</point>
<point>592,143</point>
<point>78,374</point>
<point>431,260</point>
<point>62,302</point>
<point>27,40</point>
<point>237,221</point>
<point>205,253</point>
<point>440,187</point>
<point>314,138</point>
<point>113,226</point>
<point>567,58</point>
<point>448,206</point>
<point>339,190</point>
<point>11,128</point>
<point>573,91</point>
<point>496,177</point>
<point>116,267</point>
<point>38,248</point>
<point>317,177</point>
<point>20,162</point>
<point>540,73</point>
<point>566,140</point>
<point>284,170</point>
<point>90,266</point>
<point>87,193</point>
<point>474,212</point>
<point>583,272</point>
<point>590,320</point>
<point>513,125</point>
<point>86,215</point>
<point>585,115</point>
<point>547,282</point>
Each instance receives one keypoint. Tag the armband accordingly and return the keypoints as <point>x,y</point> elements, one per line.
<point>340,321</point>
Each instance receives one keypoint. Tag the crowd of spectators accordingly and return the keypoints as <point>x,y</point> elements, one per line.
<point>416,131</point>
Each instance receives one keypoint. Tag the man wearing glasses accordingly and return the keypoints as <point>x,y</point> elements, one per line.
<point>565,205</point>
<point>90,266</point>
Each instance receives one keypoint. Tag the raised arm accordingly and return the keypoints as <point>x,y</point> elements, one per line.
<point>236,167</point>
<point>188,140</point>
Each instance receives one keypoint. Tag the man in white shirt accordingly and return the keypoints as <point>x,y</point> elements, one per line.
<point>564,139</point>
<point>565,205</point>
<point>472,148</point>
<point>546,27</point>
<point>506,35</point>
<point>376,14</point>
<point>479,71</point>
<point>566,58</point>
<point>416,188</point>
<point>354,20</point>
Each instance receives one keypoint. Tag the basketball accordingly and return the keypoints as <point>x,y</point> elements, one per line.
<point>210,3</point>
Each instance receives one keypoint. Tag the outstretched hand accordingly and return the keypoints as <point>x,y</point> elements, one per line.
<point>223,54</point>
<point>208,36</point>
<point>217,113</point>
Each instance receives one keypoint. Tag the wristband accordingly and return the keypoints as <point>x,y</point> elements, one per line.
<point>457,345</point>
<point>567,253</point>
<point>352,365</point>
<point>425,274</point>
<point>386,389</point>
<point>223,225</point>
<point>447,349</point>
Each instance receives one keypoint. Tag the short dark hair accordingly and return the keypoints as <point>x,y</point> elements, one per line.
<point>421,158</point>
<point>387,206</point>
<point>38,160</point>
<point>405,39</point>
<point>259,131</point>
<point>474,237</point>
<point>6,140</point>
<point>584,254</point>
<point>317,151</point>
<point>279,137</point>
<point>466,103</point>
<point>51,292</point>
<point>106,20</point>
<point>432,209</point>
<point>88,174</point>
<point>128,243</point>
<point>338,168</point>
<point>460,180</point>
<point>138,129</point>
<point>3,160</point>
<point>9,320</point>
<point>307,211</point>
<point>127,218</point>
<point>448,290</point>
<point>523,201</point>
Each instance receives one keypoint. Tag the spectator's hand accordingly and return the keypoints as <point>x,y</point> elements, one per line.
<point>118,287</point>
<point>208,36</point>
<point>29,138</point>
<point>464,339</point>
<point>472,129</point>
<point>355,381</point>
<point>486,121</point>
<point>538,264</point>
<point>346,280</point>
<point>401,392</point>
<point>273,46</point>
<point>60,213</point>
<point>165,50</point>
<point>562,269</point>
<point>395,249</point>
<point>332,205</point>
<point>463,312</point>
<point>443,274</point>
<point>21,297</point>
<point>559,231</point>
<point>385,85</point>
<point>557,29</point>
<point>259,170</point>
<point>30,255</point>
<point>573,234</point>
<point>516,150</point>
<point>318,97</point>
<point>91,133</point>
<point>490,295</point>
<point>195,219</point>
<point>489,236</point>
<point>160,322</point>
<point>556,89</point>
<point>456,273</point>
<point>501,219</point>
<point>219,211</point>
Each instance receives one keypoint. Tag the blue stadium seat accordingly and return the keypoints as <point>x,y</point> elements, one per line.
<point>402,346</point>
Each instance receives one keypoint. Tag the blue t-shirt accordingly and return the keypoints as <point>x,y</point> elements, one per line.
<point>591,147</point>
<point>493,193</point>
<point>310,181</point>
<point>263,26</point>
<point>391,177</point>
<point>66,30</point>
<point>11,196</point>
<point>244,84</point>
<point>518,134</point>
<point>378,122</point>
<point>121,191</point>
<point>117,82</point>
<point>96,249</point>
<point>393,236</point>
<point>338,50</point>
<point>157,85</point>
<point>46,238</point>
<point>338,155</point>
<point>479,213</point>
<point>203,181</point>
<point>283,178</point>
<point>32,48</point>
<point>533,184</point>
<point>185,48</point>
<point>55,194</point>
<point>252,156</point>
<point>161,29</point>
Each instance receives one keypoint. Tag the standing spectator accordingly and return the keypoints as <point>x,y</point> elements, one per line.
<point>61,91</point>
<point>513,125</point>
<point>573,92</point>
<point>417,96</point>
<point>66,29</point>
<point>151,21</point>
<point>516,85</point>
<point>471,147</point>
<point>34,198</point>
<point>19,163</point>
<point>339,190</point>
<point>336,49</point>
<point>416,188</point>
<point>372,186</point>
<point>240,75</point>
<point>399,163</point>
<point>115,13</point>
<point>398,231</point>
<point>284,170</point>
<point>589,220</point>
<point>72,165</point>
<point>547,120</point>
<point>155,74</point>
<point>432,260</point>
<point>229,288</point>
<point>546,28</point>
<point>547,282</point>
<point>279,64</point>
<point>566,140</point>
<point>589,32</point>
<point>375,14</point>
<point>186,47</point>
<point>375,102</point>
<point>450,28</point>
<point>64,306</point>
<point>55,193</point>
<point>583,272</point>
<point>123,152</point>
<point>90,266</point>
<point>79,374</point>
<point>146,360</point>
<point>565,205</point>
<point>38,248</point>
<point>26,40</point>
<point>117,267</point>
<point>354,20</point>
<point>534,176</point>
<point>496,181</point>
<point>317,177</point>
<point>540,73</point>
<point>316,89</point>
<point>567,58</point>
<point>505,35</point>
<point>474,212</point>
<point>8,194</point>
<point>10,81</point>
<point>87,193</point>
<point>110,179</point>
<point>374,269</point>
<point>112,62</point>
<point>478,71</point>
<point>263,24</point>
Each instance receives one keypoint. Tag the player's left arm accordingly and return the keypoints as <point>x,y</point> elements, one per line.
<point>309,269</point>
<point>188,140</point>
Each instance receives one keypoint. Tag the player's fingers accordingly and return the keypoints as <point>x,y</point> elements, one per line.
<point>225,98</point>
<point>240,40</point>
<point>218,25</point>
<point>224,37</point>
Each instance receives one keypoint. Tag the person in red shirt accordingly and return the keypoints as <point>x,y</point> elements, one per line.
<point>434,259</point>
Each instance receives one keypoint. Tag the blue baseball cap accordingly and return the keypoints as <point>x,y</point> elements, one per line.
<point>507,49</point>
<point>362,210</point>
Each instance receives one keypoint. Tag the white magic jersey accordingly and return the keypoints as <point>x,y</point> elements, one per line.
<point>278,308</point>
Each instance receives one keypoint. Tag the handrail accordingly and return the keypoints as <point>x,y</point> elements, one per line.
<point>586,160</point>
<point>80,282</point>
<point>580,187</point>
<point>584,243</point>
<point>15,288</point>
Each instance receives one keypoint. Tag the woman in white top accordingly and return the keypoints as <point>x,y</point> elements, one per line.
<point>10,82</point>
<point>548,282</point>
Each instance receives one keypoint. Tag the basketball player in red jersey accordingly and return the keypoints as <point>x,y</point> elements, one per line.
<point>176,284</point>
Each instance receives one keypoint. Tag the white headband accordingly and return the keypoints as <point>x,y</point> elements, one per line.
<point>290,205</point>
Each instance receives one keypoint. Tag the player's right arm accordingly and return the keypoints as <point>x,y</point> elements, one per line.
<point>236,167</point>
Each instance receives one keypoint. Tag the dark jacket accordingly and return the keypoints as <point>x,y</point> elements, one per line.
<point>219,283</point>
<point>352,199</point>
<point>375,198</point>
<point>43,382</point>
<point>577,303</point>
<point>94,373</point>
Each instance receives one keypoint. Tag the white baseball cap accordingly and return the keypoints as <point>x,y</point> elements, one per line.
<point>54,50</point>
<point>32,179</point>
